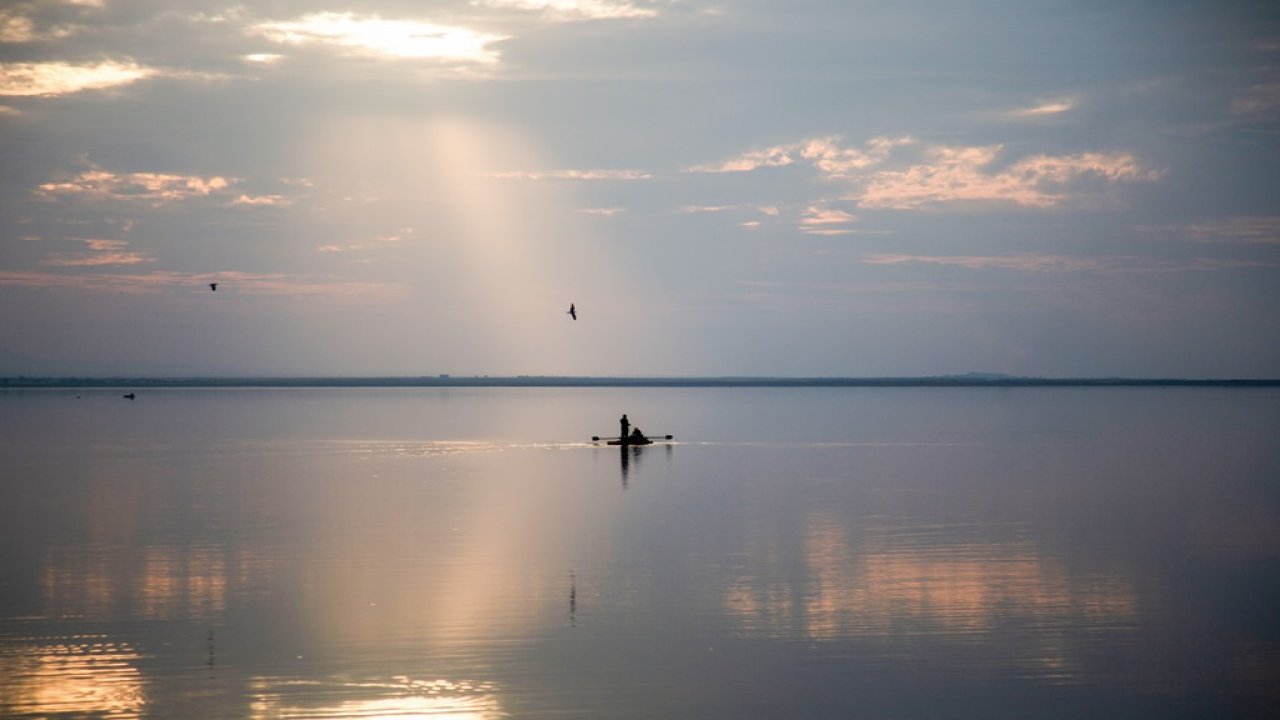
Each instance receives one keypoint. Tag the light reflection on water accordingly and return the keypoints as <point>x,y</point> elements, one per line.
<point>77,675</point>
<point>402,698</point>
<point>899,554</point>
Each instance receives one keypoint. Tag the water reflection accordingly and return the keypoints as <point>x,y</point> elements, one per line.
<point>631,455</point>
<point>75,676</point>
<point>304,577</point>
<point>401,697</point>
<point>857,582</point>
<point>153,582</point>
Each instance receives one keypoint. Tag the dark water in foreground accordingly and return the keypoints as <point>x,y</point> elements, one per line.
<point>799,553</point>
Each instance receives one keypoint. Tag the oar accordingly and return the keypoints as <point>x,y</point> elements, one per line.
<point>597,438</point>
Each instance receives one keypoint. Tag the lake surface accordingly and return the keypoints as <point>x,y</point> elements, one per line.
<point>796,553</point>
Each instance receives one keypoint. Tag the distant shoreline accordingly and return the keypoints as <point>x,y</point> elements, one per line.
<point>549,381</point>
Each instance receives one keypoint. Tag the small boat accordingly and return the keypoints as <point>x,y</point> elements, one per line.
<point>628,441</point>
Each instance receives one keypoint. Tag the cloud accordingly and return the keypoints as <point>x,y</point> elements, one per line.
<point>574,175</point>
<point>837,162</point>
<point>262,200</point>
<point>940,174</point>
<point>1257,100</point>
<point>1045,108</point>
<point>1025,263</point>
<point>372,36</point>
<point>156,188</point>
<point>960,174</point>
<point>576,9</point>
<point>1263,230</point>
<point>262,58</point>
<point>43,20</point>
<point>824,153</point>
<point>394,238</point>
<point>779,156</point>
<point>694,209</point>
<point>101,252</point>
<point>825,221</point>
<point>1064,263</point>
<point>51,79</point>
<point>603,212</point>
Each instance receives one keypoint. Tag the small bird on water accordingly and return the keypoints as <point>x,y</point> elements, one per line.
<point>573,312</point>
<point>213,287</point>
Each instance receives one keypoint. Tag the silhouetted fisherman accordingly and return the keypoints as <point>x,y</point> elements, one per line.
<point>213,287</point>
<point>573,311</point>
<point>626,427</point>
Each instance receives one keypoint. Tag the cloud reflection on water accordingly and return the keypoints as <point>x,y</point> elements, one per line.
<point>865,583</point>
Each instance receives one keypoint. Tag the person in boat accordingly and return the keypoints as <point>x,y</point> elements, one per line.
<point>626,426</point>
<point>637,437</point>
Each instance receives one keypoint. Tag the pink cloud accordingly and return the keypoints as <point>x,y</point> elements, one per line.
<point>825,221</point>
<point>960,174</point>
<point>156,188</point>
<point>101,252</point>
<point>824,153</point>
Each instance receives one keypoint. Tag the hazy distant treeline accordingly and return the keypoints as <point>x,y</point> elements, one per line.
<point>971,380</point>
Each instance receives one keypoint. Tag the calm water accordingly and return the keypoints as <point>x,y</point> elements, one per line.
<point>797,553</point>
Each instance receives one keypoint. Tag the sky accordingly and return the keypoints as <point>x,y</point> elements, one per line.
<point>720,187</point>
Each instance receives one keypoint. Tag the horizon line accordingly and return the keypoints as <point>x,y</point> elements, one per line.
<point>449,380</point>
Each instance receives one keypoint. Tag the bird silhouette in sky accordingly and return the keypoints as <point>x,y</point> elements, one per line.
<point>213,287</point>
<point>573,312</point>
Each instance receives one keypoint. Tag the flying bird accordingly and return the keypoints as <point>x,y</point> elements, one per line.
<point>213,287</point>
<point>573,312</point>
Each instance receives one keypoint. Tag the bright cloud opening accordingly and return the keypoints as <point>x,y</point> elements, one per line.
<point>576,9</point>
<point>263,58</point>
<point>376,37</point>
<point>60,78</point>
